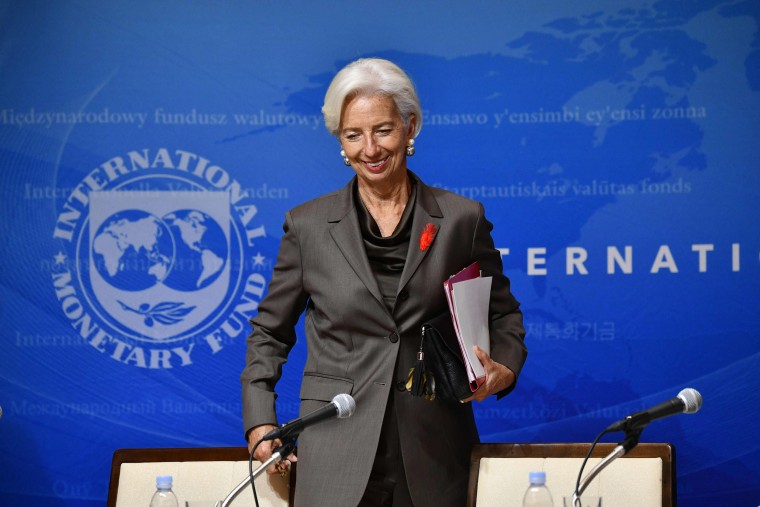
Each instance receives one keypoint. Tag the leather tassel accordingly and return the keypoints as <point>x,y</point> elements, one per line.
<point>420,381</point>
<point>418,375</point>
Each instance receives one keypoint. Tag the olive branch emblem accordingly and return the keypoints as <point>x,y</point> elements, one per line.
<point>166,312</point>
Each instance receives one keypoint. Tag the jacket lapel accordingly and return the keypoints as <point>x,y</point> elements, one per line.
<point>426,211</point>
<point>347,234</point>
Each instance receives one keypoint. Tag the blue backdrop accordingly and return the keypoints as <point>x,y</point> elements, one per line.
<point>149,151</point>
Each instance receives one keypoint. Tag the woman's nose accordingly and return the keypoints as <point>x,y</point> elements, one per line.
<point>370,146</point>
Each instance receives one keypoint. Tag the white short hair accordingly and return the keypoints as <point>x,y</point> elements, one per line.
<point>367,77</point>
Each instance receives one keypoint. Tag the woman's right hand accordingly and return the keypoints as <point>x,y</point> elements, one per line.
<point>265,449</point>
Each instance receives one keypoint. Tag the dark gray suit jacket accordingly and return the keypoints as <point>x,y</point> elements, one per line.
<point>356,346</point>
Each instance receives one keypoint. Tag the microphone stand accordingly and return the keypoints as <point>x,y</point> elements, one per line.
<point>631,440</point>
<point>285,450</point>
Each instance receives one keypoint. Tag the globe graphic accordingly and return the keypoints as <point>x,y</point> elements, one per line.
<point>201,250</point>
<point>133,250</point>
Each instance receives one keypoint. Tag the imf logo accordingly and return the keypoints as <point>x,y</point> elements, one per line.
<point>152,260</point>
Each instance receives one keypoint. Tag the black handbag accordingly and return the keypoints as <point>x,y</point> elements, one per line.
<point>439,371</point>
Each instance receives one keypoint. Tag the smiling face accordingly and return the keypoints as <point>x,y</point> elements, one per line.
<point>374,138</point>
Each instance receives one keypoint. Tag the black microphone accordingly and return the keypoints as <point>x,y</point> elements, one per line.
<point>688,401</point>
<point>342,406</point>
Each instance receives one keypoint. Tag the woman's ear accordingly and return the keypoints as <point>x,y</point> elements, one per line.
<point>412,125</point>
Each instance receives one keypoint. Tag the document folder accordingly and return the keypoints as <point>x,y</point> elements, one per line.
<point>468,295</point>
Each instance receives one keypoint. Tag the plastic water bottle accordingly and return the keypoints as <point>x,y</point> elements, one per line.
<point>538,494</point>
<point>164,496</point>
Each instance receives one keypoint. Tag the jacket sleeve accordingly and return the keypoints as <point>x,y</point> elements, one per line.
<point>506,323</point>
<point>274,332</point>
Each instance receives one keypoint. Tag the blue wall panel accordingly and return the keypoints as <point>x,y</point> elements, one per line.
<point>149,151</point>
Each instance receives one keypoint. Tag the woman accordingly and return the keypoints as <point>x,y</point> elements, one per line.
<point>367,264</point>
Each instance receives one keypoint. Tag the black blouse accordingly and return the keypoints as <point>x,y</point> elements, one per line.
<point>387,256</point>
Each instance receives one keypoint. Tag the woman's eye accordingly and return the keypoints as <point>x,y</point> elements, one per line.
<point>352,137</point>
<point>384,132</point>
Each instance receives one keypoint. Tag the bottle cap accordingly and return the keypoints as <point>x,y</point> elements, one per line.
<point>164,481</point>
<point>537,477</point>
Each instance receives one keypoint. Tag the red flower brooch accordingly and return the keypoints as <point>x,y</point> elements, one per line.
<point>428,233</point>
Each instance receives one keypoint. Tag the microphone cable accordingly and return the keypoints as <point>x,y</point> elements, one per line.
<point>250,472</point>
<point>588,455</point>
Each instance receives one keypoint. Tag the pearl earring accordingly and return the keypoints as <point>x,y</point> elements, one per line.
<point>345,158</point>
<point>410,148</point>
